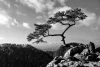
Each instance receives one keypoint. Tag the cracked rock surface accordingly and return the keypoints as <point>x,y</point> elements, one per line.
<point>87,57</point>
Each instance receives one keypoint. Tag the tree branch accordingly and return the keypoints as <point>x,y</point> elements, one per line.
<point>69,25</point>
<point>52,35</point>
<point>66,29</point>
<point>63,39</point>
<point>64,23</point>
<point>62,35</point>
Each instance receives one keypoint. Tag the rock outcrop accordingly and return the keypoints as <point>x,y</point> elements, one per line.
<point>78,56</point>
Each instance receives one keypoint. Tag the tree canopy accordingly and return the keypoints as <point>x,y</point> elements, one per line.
<point>66,18</point>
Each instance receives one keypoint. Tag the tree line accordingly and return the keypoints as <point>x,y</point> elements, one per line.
<point>14,55</point>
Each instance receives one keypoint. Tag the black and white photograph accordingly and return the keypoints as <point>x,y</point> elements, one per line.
<point>49,33</point>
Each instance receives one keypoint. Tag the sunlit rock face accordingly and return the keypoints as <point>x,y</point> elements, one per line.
<point>63,48</point>
<point>88,57</point>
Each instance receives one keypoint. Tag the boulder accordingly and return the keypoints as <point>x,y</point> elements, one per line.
<point>77,49</point>
<point>58,60</point>
<point>78,56</point>
<point>92,47</point>
<point>52,63</point>
<point>92,57</point>
<point>74,50</point>
<point>85,52</point>
<point>73,59</point>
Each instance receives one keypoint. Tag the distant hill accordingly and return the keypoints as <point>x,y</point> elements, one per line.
<point>12,55</point>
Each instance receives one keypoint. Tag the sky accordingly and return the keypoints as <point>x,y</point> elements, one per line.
<point>17,18</point>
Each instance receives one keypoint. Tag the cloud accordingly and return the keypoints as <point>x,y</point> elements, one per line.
<point>96,28</point>
<point>57,26</point>
<point>39,5</point>
<point>62,2</point>
<point>16,5</point>
<point>99,20</point>
<point>1,38</point>
<point>39,17</point>
<point>40,23</point>
<point>98,24</point>
<point>90,19</point>
<point>15,22</point>
<point>53,42</point>
<point>26,25</point>
<point>7,4</point>
<point>6,20</point>
<point>54,26</point>
<point>20,13</point>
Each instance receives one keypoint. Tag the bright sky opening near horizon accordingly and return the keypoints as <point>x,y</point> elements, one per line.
<point>17,18</point>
